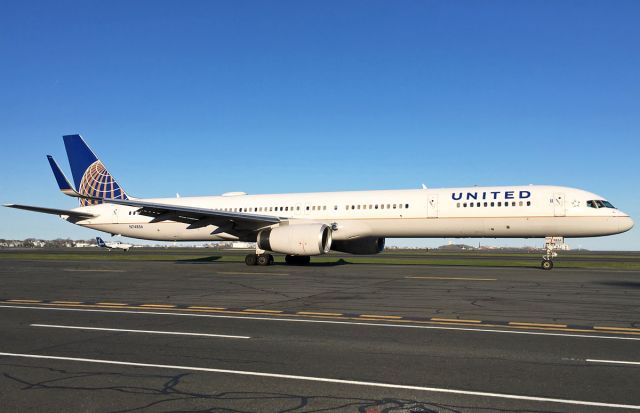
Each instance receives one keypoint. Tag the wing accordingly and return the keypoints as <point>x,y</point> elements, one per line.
<point>54,211</point>
<point>198,217</point>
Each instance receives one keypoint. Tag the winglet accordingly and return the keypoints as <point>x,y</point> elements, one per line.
<point>63,182</point>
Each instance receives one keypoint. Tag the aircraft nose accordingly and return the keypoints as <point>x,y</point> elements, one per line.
<point>625,224</point>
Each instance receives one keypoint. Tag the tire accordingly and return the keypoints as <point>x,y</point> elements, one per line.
<point>263,259</point>
<point>251,259</point>
<point>546,265</point>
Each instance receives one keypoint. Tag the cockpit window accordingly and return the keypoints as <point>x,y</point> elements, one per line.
<point>599,203</point>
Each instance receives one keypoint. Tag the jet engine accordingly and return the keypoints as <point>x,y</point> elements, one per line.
<point>360,246</point>
<point>302,239</point>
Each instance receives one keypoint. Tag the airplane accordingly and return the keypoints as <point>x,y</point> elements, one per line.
<point>113,245</point>
<point>301,225</point>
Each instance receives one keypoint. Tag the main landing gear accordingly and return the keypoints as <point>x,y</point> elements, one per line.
<point>258,259</point>
<point>550,245</point>
<point>267,259</point>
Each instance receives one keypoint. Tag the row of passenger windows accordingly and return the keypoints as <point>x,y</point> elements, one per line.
<point>377,206</point>
<point>314,208</point>
<point>491,204</point>
<point>307,208</point>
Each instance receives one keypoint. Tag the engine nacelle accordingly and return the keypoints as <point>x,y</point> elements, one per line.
<point>303,239</point>
<point>360,246</point>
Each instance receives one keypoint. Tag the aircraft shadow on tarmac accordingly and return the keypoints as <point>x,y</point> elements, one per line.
<point>214,258</point>
<point>623,284</point>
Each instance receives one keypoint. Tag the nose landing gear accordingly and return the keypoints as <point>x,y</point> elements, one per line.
<point>550,245</point>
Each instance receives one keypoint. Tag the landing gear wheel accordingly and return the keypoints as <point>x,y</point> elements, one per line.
<point>264,259</point>
<point>546,264</point>
<point>251,259</point>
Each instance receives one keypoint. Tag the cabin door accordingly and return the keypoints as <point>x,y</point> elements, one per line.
<point>559,209</point>
<point>432,206</point>
<point>114,216</point>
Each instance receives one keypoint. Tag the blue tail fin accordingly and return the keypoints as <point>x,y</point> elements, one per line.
<point>89,173</point>
<point>100,242</point>
<point>63,182</point>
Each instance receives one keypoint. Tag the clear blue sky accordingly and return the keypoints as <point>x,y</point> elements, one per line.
<point>204,97</point>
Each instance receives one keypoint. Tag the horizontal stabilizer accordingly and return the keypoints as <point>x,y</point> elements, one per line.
<point>63,182</point>
<point>54,211</point>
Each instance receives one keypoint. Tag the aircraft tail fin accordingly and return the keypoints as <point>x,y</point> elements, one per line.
<point>61,179</point>
<point>100,242</point>
<point>90,176</point>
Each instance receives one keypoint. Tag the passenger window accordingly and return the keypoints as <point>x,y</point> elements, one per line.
<point>376,206</point>
<point>520,203</point>
<point>400,206</point>
<point>513,203</point>
<point>394,206</point>
<point>528,203</point>
<point>458,205</point>
<point>500,203</point>
<point>493,204</point>
<point>406,205</point>
<point>478,204</point>
<point>464,205</point>
<point>485,204</point>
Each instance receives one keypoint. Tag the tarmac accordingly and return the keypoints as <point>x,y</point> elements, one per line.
<point>120,336</point>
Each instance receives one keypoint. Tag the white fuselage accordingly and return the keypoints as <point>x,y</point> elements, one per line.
<point>495,212</point>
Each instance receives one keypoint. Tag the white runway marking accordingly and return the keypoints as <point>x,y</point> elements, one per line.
<point>630,363</point>
<point>452,278</point>
<point>297,320</point>
<point>89,270</point>
<point>173,333</point>
<point>329,380</point>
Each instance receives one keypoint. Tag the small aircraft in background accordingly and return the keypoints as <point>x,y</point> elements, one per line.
<point>113,245</point>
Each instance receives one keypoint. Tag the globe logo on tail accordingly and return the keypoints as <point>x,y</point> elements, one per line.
<point>97,182</point>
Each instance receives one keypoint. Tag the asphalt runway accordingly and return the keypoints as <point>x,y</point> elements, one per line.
<point>118,336</point>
